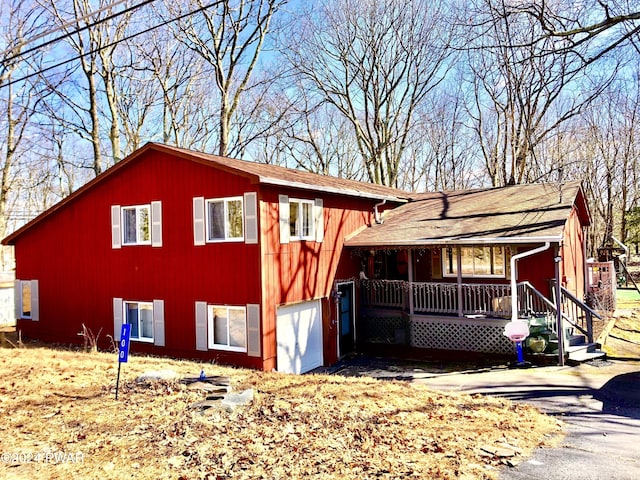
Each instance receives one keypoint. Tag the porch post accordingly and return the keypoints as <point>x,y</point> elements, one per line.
<point>459,260</point>
<point>559,326</point>
<point>410,277</point>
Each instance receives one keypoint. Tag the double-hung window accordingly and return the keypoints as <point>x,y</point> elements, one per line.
<point>136,225</point>
<point>140,316</point>
<point>136,228</point>
<point>480,261</point>
<point>301,219</point>
<point>225,220</point>
<point>145,317</point>
<point>227,328</point>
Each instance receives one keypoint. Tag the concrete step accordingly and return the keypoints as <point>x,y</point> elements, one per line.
<point>584,352</point>
<point>584,356</point>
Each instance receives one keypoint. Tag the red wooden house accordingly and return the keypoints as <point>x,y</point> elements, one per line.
<point>264,267</point>
<point>206,257</point>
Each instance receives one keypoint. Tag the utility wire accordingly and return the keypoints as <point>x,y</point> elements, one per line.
<point>112,44</point>
<point>75,21</point>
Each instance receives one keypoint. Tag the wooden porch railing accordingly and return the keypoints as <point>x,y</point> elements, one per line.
<point>477,299</point>
<point>383,293</point>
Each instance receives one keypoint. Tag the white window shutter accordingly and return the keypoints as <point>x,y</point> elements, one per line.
<point>156,224</point>
<point>17,298</point>
<point>201,326</point>
<point>118,319</point>
<point>318,219</point>
<point>198,221</point>
<point>116,232</point>
<point>35,301</point>
<point>158,323</point>
<point>251,217</point>
<point>253,330</point>
<point>283,201</point>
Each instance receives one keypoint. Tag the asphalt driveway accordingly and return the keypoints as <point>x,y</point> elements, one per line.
<point>599,402</point>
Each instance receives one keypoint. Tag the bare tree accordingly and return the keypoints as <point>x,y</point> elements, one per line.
<point>521,94</point>
<point>610,147</point>
<point>19,104</point>
<point>231,36</point>
<point>443,150</point>
<point>374,62</point>
<point>94,38</point>
<point>590,29</point>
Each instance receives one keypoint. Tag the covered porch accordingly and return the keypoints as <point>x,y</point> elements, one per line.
<point>450,269</point>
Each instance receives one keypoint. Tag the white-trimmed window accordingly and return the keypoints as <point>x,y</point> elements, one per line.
<point>476,261</point>
<point>225,220</point>
<point>136,228</point>
<point>227,328</point>
<point>301,219</point>
<point>136,225</point>
<point>140,316</point>
<point>26,299</point>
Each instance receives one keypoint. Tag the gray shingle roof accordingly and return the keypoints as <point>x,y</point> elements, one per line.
<point>514,214</point>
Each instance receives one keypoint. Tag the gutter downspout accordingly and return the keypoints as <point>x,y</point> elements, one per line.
<point>514,288</point>
<point>376,214</point>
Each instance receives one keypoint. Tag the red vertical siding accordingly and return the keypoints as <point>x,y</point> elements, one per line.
<point>304,270</point>
<point>537,269</point>
<point>70,254</point>
<point>573,259</point>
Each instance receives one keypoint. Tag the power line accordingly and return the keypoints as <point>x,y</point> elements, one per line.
<point>112,44</point>
<point>62,27</point>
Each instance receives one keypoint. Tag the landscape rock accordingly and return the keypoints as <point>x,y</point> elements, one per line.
<point>209,387</point>
<point>157,375</point>
<point>236,399</point>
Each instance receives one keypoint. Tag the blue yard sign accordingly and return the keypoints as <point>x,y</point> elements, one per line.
<point>123,347</point>
<point>123,350</point>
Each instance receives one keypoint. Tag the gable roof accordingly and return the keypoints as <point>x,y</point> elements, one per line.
<point>515,214</point>
<point>255,172</point>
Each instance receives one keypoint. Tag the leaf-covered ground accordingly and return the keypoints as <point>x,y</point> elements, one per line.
<point>61,420</point>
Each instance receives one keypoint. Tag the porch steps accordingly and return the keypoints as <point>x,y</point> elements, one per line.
<point>579,350</point>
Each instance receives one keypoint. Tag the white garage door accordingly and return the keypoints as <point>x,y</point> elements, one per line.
<point>299,337</point>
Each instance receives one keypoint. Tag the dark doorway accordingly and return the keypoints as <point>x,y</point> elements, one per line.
<point>346,318</point>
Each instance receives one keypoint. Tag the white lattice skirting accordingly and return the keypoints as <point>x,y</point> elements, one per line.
<point>468,334</point>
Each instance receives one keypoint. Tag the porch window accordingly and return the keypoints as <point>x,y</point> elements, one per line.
<point>225,220</point>
<point>484,261</point>
<point>227,328</point>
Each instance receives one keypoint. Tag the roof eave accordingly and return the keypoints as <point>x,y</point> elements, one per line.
<point>462,241</point>
<point>341,191</point>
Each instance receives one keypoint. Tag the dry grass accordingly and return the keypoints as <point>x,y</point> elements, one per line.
<point>310,426</point>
